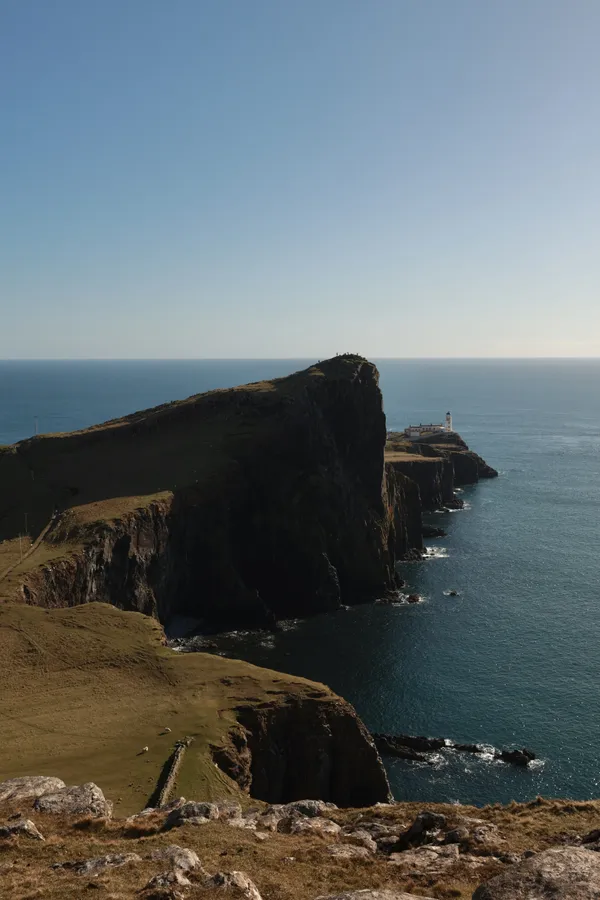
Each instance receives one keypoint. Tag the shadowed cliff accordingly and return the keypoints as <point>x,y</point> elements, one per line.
<point>240,505</point>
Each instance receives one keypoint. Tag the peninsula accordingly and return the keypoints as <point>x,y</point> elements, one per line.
<point>237,507</point>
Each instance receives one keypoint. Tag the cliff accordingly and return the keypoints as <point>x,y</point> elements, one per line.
<point>437,465</point>
<point>105,699</point>
<point>237,506</point>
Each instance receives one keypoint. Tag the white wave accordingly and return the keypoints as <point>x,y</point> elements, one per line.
<point>436,553</point>
<point>438,760</point>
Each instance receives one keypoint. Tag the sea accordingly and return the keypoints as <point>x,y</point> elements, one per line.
<point>514,658</point>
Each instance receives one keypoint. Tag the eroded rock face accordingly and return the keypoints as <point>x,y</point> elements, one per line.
<point>570,873</point>
<point>85,800</point>
<point>28,787</point>
<point>317,750</point>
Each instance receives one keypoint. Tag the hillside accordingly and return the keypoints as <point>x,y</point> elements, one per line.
<point>85,689</point>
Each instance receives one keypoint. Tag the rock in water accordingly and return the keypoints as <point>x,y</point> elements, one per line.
<point>569,873</point>
<point>516,757</point>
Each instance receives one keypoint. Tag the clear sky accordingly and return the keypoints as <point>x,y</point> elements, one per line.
<point>296,178</point>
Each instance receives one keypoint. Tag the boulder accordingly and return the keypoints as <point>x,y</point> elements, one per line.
<point>425,825</point>
<point>151,810</point>
<point>431,859</point>
<point>310,808</point>
<point>82,800</point>
<point>516,757</point>
<point>178,857</point>
<point>99,863</point>
<point>23,827</point>
<point>360,838</point>
<point>369,894</point>
<point>349,851</point>
<point>228,811</point>
<point>191,813</point>
<point>456,835</point>
<point>302,825</point>
<point>238,881</point>
<point>565,873</point>
<point>28,787</point>
<point>174,878</point>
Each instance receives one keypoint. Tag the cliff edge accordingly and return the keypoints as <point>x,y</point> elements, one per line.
<point>236,506</point>
<point>93,693</point>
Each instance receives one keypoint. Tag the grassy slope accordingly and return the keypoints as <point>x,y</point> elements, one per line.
<point>84,689</point>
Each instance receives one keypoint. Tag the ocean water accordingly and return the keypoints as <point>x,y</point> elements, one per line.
<point>513,660</point>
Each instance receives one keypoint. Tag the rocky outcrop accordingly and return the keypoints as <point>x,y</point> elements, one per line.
<point>28,787</point>
<point>405,746</point>
<point>86,799</point>
<point>370,894</point>
<point>404,511</point>
<point>435,466</point>
<point>569,873</point>
<point>433,475</point>
<point>310,750</point>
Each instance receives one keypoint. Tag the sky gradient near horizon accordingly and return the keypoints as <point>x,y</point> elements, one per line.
<point>264,178</point>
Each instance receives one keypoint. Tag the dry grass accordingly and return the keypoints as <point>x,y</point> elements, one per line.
<point>284,867</point>
<point>402,456</point>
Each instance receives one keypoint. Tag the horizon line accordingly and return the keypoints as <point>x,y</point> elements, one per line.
<point>296,358</point>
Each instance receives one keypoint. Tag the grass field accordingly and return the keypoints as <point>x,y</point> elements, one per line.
<point>84,689</point>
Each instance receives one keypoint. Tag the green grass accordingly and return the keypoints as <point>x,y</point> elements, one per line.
<point>84,689</point>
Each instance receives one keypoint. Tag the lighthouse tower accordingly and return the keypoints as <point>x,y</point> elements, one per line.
<point>448,421</point>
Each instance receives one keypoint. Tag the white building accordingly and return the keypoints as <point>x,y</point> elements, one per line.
<point>417,431</point>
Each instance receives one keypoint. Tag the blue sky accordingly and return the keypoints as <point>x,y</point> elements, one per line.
<point>296,178</point>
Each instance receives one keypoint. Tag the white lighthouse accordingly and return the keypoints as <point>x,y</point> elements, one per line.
<point>448,421</point>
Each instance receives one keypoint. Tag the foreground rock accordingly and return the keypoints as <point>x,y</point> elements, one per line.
<point>369,894</point>
<point>238,881</point>
<point>83,800</point>
<point>178,857</point>
<point>28,787</point>
<point>99,863</point>
<point>571,873</point>
<point>23,827</point>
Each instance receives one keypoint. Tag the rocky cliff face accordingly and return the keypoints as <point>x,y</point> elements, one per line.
<point>306,749</point>
<point>237,506</point>
<point>434,477</point>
